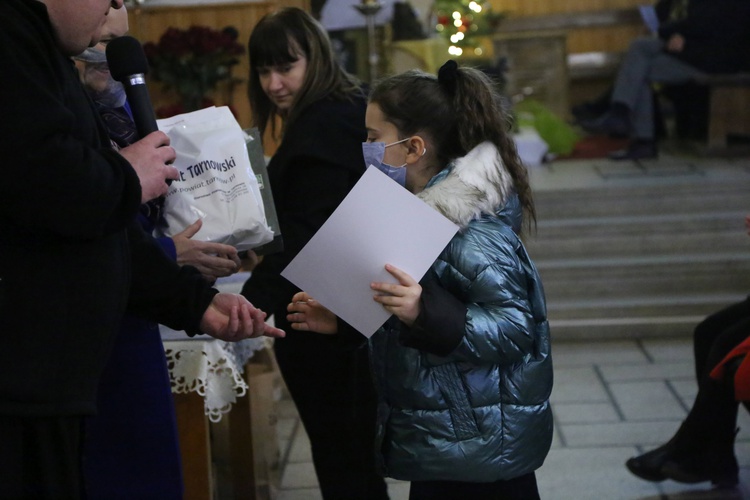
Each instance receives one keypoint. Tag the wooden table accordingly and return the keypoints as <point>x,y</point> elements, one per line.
<point>212,380</point>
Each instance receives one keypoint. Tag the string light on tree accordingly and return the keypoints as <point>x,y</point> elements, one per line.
<point>462,22</point>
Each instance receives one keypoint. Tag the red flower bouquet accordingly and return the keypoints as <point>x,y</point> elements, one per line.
<point>192,62</point>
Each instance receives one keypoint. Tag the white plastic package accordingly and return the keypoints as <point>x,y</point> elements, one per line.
<point>217,183</point>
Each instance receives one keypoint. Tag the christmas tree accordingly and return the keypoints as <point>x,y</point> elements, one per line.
<point>463,22</point>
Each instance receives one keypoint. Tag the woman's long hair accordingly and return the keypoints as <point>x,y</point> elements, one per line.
<point>458,110</point>
<point>281,38</point>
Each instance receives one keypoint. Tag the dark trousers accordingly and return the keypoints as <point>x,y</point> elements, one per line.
<point>40,458</point>
<point>519,488</point>
<point>332,388</point>
<point>714,412</point>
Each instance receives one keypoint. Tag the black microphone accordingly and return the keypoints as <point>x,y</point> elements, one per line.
<point>128,65</point>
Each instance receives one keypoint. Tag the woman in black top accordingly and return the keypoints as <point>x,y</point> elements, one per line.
<point>318,111</point>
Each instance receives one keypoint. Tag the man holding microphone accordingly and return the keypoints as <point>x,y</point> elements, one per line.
<point>72,257</point>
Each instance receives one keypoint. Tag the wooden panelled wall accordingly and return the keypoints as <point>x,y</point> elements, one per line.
<point>148,23</point>
<point>610,39</point>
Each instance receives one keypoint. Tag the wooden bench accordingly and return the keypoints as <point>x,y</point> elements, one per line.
<point>729,107</point>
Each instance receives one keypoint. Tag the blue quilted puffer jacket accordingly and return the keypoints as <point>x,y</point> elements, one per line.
<point>481,412</point>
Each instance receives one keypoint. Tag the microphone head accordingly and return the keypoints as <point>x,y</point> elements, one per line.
<point>125,57</point>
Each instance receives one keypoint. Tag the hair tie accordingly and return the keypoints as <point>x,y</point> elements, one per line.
<point>448,76</point>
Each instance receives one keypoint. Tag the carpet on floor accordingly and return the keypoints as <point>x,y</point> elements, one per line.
<point>594,146</point>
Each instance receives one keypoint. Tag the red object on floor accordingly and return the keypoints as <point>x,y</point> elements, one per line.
<point>595,146</point>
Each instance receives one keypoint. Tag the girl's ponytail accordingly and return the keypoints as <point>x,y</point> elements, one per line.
<point>479,117</point>
<point>458,110</point>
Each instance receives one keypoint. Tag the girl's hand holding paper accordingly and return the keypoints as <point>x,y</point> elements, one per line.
<point>402,299</point>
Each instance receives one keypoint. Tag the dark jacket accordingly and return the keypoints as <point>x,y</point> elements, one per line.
<point>318,162</point>
<point>717,35</point>
<point>72,256</point>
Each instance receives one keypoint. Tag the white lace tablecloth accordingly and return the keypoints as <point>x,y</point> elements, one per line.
<point>212,368</point>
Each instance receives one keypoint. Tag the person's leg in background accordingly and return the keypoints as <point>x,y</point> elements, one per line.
<point>706,452</point>
<point>332,389</point>
<point>709,329</point>
<point>632,110</point>
<point>628,88</point>
<point>663,68</point>
<point>703,447</point>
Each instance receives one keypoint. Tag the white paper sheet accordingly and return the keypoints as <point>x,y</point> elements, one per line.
<point>378,223</point>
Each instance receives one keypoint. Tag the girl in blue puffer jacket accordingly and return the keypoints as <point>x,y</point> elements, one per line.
<point>463,366</point>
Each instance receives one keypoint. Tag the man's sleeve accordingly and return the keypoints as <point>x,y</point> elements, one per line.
<point>163,291</point>
<point>53,180</point>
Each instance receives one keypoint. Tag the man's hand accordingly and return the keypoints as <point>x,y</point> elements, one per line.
<point>231,317</point>
<point>250,260</point>
<point>402,299</point>
<point>213,260</point>
<point>306,314</point>
<point>150,157</point>
<point>676,43</point>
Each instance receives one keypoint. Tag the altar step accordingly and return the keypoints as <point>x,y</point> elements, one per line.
<point>641,259</point>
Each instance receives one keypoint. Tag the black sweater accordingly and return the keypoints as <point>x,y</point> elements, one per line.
<point>318,162</point>
<point>72,257</point>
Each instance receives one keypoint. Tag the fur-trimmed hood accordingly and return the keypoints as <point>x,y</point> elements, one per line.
<point>475,184</point>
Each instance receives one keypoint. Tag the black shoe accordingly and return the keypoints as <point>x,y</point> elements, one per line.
<point>637,150</point>
<point>614,124</point>
<point>722,472</point>
<point>586,112</point>
<point>648,466</point>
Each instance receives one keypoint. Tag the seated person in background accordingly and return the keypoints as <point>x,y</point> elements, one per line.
<point>596,107</point>
<point>131,448</point>
<point>700,36</point>
<point>703,447</point>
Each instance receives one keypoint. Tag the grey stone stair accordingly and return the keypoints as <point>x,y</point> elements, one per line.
<point>641,259</point>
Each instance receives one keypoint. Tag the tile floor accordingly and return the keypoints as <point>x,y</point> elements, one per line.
<point>611,400</point>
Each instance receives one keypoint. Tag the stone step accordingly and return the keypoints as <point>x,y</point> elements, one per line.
<point>667,225</point>
<point>641,200</point>
<point>624,328</point>
<point>628,250</point>
<point>642,306</point>
<point>656,235</point>
<point>651,275</point>
<point>646,244</point>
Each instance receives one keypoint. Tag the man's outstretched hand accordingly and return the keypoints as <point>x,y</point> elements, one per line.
<point>231,317</point>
